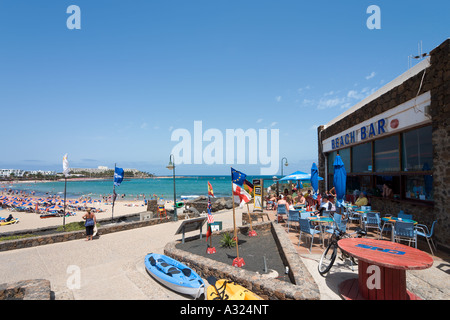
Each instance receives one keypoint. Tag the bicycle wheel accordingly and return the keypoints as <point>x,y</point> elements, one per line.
<point>328,257</point>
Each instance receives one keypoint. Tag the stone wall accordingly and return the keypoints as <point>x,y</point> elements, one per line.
<point>74,235</point>
<point>302,288</point>
<point>38,289</point>
<point>436,80</point>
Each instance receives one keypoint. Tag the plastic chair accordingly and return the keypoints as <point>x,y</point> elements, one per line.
<point>293,215</point>
<point>405,231</point>
<point>372,221</point>
<point>338,224</point>
<point>281,210</point>
<point>305,227</point>
<point>422,230</point>
<point>403,215</point>
<point>304,214</point>
<point>326,213</point>
<point>353,215</point>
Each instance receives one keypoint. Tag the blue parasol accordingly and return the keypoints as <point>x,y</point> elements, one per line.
<point>314,179</point>
<point>339,180</point>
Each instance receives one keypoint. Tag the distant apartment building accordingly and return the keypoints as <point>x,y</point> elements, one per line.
<point>6,173</point>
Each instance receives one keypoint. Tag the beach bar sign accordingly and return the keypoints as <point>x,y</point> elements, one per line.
<point>407,115</point>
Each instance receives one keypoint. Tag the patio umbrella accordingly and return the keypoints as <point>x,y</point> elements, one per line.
<point>298,175</point>
<point>314,179</point>
<point>339,180</point>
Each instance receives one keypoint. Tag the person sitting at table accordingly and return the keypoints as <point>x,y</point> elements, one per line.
<point>300,199</point>
<point>283,202</point>
<point>362,199</point>
<point>326,205</point>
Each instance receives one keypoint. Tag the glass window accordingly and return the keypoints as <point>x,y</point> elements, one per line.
<point>388,186</point>
<point>331,157</point>
<point>362,158</point>
<point>419,187</point>
<point>417,150</point>
<point>387,154</point>
<point>345,156</point>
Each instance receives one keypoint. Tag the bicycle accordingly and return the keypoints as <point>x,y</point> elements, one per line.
<point>329,255</point>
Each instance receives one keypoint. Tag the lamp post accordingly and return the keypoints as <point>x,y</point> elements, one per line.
<point>286,164</point>
<point>171,166</point>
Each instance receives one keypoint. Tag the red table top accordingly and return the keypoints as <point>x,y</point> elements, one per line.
<point>386,253</point>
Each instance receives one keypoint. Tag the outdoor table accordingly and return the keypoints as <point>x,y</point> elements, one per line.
<point>382,269</point>
<point>321,221</point>
<point>392,221</point>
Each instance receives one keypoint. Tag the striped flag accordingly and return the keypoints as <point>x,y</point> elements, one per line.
<point>210,216</point>
<point>238,179</point>
<point>210,190</point>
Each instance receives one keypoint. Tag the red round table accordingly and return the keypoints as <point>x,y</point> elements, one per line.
<point>382,269</point>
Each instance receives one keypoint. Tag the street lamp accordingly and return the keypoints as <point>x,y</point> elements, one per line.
<point>171,166</point>
<point>278,183</point>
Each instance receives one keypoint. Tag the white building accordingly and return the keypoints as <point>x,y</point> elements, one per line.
<point>4,173</point>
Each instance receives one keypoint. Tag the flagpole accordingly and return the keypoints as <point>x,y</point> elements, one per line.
<point>64,216</point>
<point>234,220</point>
<point>114,192</point>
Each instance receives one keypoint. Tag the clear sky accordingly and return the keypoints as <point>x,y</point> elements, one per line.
<point>114,90</point>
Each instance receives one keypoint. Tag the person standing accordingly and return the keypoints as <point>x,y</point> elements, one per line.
<point>90,223</point>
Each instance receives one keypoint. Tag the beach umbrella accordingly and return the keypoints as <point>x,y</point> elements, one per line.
<point>339,180</point>
<point>298,175</point>
<point>314,179</point>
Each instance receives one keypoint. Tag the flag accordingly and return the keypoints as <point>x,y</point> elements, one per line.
<point>210,216</point>
<point>248,186</point>
<point>65,165</point>
<point>118,176</point>
<point>210,190</point>
<point>238,179</point>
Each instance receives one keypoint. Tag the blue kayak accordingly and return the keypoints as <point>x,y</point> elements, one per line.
<point>174,275</point>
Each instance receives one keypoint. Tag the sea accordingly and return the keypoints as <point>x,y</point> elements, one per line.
<point>186,187</point>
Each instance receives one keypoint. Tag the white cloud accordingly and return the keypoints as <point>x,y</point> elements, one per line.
<point>330,103</point>
<point>370,76</point>
<point>273,124</point>
<point>259,120</point>
<point>278,98</point>
<point>300,90</point>
<point>144,125</point>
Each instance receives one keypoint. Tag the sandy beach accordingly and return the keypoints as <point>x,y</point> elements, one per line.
<point>33,220</point>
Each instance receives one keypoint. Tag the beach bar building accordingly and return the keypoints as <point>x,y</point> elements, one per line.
<point>399,136</point>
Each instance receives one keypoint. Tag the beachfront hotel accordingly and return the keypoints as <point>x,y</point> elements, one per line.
<point>399,137</point>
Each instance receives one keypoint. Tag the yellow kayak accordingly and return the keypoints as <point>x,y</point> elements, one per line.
<point>233,291</point>
<point>4,223</point>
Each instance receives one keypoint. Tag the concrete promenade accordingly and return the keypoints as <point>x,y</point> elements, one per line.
<point>112,267</point>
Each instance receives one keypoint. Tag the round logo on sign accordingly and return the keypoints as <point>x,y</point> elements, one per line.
<point>394,124</point>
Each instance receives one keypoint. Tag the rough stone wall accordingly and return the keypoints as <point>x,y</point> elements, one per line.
<point>436,80</point>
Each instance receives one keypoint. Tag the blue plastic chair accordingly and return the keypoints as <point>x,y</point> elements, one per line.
<point>294,216</point>
<point>305,227</point>
<point>422,230</point>
<point>372,221</point>
<point>405,231</point>
<point>304,215</point>
<point>403,215</point>
<point>281,209</point>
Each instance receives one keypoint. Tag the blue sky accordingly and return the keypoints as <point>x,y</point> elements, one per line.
<point>114,90</point>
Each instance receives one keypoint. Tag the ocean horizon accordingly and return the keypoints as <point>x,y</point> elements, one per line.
<point>186,187</point>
